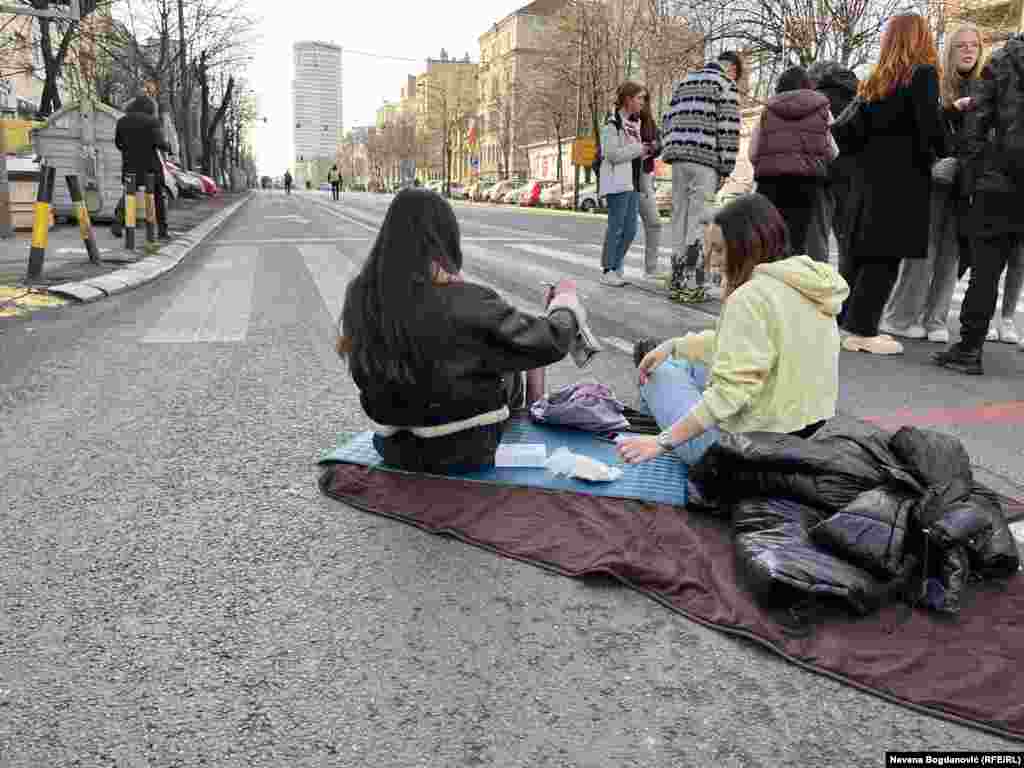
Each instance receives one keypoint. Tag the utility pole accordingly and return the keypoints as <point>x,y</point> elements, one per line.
<point>579,110</point>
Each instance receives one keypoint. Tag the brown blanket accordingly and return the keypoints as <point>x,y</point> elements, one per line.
<point>970,670</point>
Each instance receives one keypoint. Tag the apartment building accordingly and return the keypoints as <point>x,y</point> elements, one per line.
<point>445,101</point>
<point>505,53</point>
<point>316,93</point>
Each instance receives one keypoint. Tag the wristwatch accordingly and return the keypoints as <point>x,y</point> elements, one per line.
<point>664,440</point>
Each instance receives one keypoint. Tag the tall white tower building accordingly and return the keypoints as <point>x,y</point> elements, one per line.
<point>316,93</point>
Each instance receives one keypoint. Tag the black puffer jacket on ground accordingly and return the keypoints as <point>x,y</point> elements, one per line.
<point>854,510</point>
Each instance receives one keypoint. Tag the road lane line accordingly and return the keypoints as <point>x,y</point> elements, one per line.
<point>295,240</point>
<point>331,272</point>
<point>214,305</point>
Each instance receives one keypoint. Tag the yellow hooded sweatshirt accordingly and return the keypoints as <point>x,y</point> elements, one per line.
<point>774,355</point>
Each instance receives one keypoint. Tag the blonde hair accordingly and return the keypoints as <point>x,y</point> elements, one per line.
<point>951,77</point>
<point>908,43</point>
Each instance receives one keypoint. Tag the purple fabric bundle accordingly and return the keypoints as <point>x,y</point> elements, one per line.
<point>588,405</point>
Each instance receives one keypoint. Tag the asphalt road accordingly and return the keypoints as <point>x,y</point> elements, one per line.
<point>176,591</point>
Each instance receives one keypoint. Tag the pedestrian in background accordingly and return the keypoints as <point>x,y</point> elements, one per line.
<point>139,137</point>
<point>622,155</point>
<point>701,135</point>
<point>651,136</point>
<point>790,149</point>
<point>334,179</point>
<point>896,133</point>
<point>919,305</point>
<point>992,179</point>
<point>839,84</point>
<point>288,182</point>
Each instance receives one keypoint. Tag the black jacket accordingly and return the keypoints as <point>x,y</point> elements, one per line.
<point>138,136</point>
<point>840,86</point>
<point>998,111</point>
<point>471,336</point>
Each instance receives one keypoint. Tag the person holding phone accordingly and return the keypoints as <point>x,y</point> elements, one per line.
<point>623,152</point>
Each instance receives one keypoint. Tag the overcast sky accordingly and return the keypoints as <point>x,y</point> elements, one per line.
<point>405,28</point>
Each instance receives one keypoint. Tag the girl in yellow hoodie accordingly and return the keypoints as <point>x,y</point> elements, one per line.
<point>771,364</point>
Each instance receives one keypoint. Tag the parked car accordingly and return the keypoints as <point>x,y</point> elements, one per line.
<point>663,196</point>
<point>456,191</point>
<point>170,183</point>
<point>530,194</point>
<point>589,199</point>
<point>499,190</point>
<point>325,187</point>
<point>512,196</point>
<point>551,196</point>
<point>209,185</point>
<point>189,184</point>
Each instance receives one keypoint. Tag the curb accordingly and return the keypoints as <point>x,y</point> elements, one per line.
<point>150,268</point>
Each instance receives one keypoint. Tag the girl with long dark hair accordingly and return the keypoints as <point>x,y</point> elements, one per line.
<point>438,360</point>
<point>772,363</point>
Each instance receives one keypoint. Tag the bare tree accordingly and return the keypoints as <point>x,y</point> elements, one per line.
<point>55,42</point>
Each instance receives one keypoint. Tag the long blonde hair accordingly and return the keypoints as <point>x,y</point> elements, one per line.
<point>951,77</point>
<point>907,43</point>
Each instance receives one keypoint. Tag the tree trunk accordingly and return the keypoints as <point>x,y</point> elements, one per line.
<point>185,141</point>
<point>53,63</point>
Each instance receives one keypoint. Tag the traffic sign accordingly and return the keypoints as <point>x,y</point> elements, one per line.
<point>584,151</point>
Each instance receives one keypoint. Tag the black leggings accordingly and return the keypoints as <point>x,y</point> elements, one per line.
<point>795,197</point>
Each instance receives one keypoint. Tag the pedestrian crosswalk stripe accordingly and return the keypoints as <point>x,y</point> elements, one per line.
<point>331,272</point>
<point>215,304</point>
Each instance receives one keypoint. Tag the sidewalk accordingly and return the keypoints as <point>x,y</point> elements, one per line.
<point>67,263</point>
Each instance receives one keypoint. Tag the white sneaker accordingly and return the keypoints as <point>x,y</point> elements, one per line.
<point>621,272</point>
<point>1008,331</point>
<point>993,334</point>
<point>910,332</point>
<point>939,336</point>
<point>612,279</point>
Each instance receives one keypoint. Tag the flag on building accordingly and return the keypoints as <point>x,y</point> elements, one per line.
<point>472,134</point>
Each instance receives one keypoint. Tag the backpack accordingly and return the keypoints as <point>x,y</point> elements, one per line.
<point>615,119</point>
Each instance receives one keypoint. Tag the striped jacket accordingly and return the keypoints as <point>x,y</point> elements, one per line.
<point>702,122</point>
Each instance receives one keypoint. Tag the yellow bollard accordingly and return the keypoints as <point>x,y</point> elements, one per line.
<point>41,222</point>
<point>129,211</point>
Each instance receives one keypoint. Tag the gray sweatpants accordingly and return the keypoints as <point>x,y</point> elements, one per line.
<point>694,188</point>
<point>924,290</point>
<point>652,224</point>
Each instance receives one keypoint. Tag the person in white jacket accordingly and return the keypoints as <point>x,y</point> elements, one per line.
<point>622,155</point>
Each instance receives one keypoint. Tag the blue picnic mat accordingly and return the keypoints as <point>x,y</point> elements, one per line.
<point>661,480</point>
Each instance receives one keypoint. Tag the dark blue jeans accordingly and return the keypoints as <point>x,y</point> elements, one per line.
<point>623,210</point>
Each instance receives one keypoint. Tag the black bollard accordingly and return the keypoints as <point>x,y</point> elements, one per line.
<point>150,207</point>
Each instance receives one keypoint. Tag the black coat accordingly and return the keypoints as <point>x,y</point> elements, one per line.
<point>138,136</point>
<point>998,112</point>
<point>895,141</point>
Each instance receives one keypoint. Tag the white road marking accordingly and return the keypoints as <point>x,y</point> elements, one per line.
<point>294,240</point>
<point>214,305</point>
<point>620,344</point>
<point>1018,531</point>
<point>589,262</point>
<point>331,271</point>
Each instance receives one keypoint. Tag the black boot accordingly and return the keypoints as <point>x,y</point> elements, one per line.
<point>642,347</point>
<point>959,357</point>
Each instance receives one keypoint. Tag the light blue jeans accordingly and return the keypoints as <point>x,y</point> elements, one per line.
<point>670,393</point>
<point>623,209</point>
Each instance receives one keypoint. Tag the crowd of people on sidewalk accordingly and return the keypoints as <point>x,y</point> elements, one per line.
<point>916,171</point>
